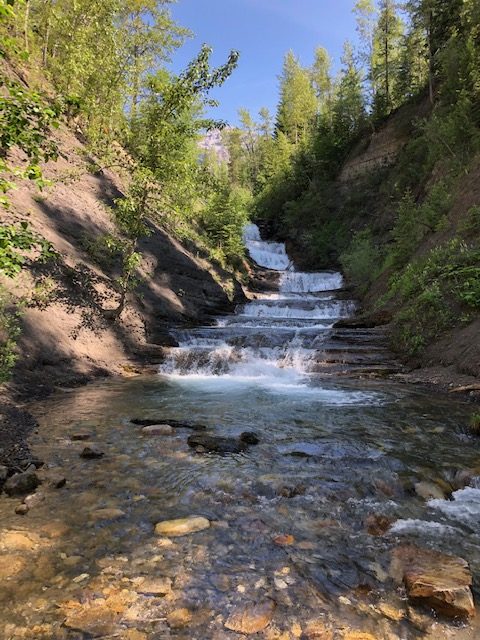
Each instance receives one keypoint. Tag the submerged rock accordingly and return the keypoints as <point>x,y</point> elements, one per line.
<point>155,586</point>
<point>377,524</point>
<point>440,581</point>
<point>216,444</point>
<point>158,430</point>
<point>250,437</point>
<point>22,483</point>
<point>429,491</point>
<point>181,526</point>
<point>3,473</point>
<point>80,436</point>
<point>175,424</point>
<point>179,618</point>
<point>251,619</point>
<point>91,453</point>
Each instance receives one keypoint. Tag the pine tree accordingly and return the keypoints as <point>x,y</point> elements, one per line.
<point>387,47</point>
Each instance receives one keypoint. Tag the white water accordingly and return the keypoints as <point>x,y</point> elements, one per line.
<point>246,349</point>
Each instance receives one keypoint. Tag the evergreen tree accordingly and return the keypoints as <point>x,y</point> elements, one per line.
<point>386,59</point>
<point>349,107</point>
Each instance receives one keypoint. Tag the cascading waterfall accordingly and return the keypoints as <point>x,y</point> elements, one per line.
<point>269,341</point>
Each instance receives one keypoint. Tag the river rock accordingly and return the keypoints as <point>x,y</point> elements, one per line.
<point>181,526</point>
<point>158,430</point>
<point>429,491</point>
<point>377,524</point>
<point>316,630</point>
<point>22,509</point>
<point>80,436</point>
<point>216,444</point>
<point>155,586</point>
<point>91,453</point>
<point>11,565</point>
<point>249,437</point>
<point>22,483</point>
<point>179,618</point>
<point>96,620</point>
<point>175,424</point>
<point>251,619</point>
<point>284,540</point>
<point>107,514</point>
<point>440,581</point>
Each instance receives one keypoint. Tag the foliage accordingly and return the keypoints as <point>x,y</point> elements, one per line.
<point>361,261</point>
<point>25,124</point>
<point>433,291</point>
<point>16,242</point>
<point>9,332</point>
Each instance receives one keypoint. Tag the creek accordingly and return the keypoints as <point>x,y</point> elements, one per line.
<point>337,445</point>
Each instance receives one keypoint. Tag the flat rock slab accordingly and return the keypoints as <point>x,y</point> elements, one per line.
<point>437,580</point>
<point>107,514</point>
<point>181,526</point>
<point>251,619</point>
<point>175,424</point>
<point>158,430</point>
<point>155,586</point>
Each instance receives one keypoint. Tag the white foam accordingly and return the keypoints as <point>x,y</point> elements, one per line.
<point>412,526</point>
<point>322,311</point>
<point>298,282</point>
<point>464,508</point>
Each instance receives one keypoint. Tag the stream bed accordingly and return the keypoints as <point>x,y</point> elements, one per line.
<point>346,470</point>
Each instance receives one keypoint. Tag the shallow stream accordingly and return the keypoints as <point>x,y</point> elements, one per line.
<point>332,452</point>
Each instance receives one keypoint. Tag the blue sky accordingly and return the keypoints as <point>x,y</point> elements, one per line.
<point>263,31</point>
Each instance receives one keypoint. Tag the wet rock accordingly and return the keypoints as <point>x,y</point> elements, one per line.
<point>11,565</point>
<point>249,437</point>
<point>175,424</point>
<point>181,526</point>
<point>155,586</point>
<point>96,621</point>
<point>22,483</point>
<point>437,580</point>
<point>107,514</point>
<point>216,444</point>
<point>34,499</point>
<point>284,540</point>
<point>3,473</point>
<point>391,612</point>
<point>22,509</point>
<point>358,635</point>
<point>429,491</point>
<point>179,618</point>
<point>377,524</point>
<point>288,491</point>
<point>91,453</point>
<point>251,619</point>
<point>80,436</point>
<point>158,430</point>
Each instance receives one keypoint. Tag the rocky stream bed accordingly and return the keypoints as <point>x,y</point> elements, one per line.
<point>267,482</point>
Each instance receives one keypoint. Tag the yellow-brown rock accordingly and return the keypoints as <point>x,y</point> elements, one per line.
<point>251,619</point>
<point>437,580</point>
<point>181,526</point>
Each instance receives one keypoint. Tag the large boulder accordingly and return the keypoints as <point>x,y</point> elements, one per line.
<point>437,580</point>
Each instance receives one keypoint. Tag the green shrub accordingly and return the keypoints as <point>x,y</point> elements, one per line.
<point>9,332</point>
<point>361,261</point>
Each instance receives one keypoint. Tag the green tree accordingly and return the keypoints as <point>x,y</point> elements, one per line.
<point>386,59</point>
<point>298,102</point>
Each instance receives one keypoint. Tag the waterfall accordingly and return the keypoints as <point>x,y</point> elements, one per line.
<point>270,341</point>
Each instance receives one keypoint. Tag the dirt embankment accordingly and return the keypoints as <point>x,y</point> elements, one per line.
<point>67,336</point>
<point>452,361</point>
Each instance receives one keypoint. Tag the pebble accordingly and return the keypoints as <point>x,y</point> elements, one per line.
<point>284,540</point>
<point>22,509</point>
<point>107,514</point>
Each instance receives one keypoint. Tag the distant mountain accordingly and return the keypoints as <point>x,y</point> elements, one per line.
<point>212,141</point>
